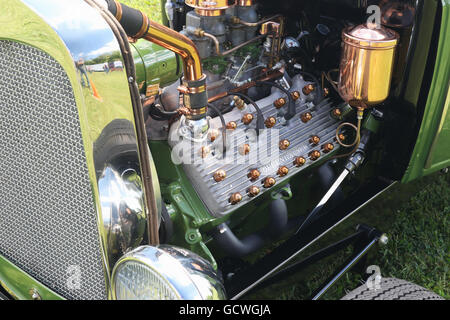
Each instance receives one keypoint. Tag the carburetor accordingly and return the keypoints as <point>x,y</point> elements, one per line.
<point>212,23</point>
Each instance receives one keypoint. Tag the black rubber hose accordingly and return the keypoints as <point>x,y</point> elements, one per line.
<point>291,106</point>
<point>132,20</point>
<point>224,128</point>
<point>166,226</point>
<point>233,246</point>
<point>160,115</point>
<point>260,117</point>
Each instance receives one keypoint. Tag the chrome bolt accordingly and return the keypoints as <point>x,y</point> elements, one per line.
<point>34,294</point>
<point>383,239</point>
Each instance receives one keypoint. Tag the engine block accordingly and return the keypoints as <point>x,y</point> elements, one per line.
<point>254,163</point>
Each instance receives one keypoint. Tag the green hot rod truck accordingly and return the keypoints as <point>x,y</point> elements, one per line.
<point>200,158</point>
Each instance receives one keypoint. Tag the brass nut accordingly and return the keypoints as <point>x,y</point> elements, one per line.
<point>220,175</point>
<point>314,140</point>
<point>231,125</point>
<point>336,113</point>
<point>314,155</point>
<point>199,32</point>
<point>326,92</point>
<point>213,134</point>
<point>282,171</point>
<point>295,95</point>
<point>235,198</point>
<point>270,122</point>
<point>253,174</point>
<point>279,103</point>
<point>308,89</point>
<point>299,161</point>
<point>341,136</point>
<point>239,103</point>
<point>204,151</point>
<point>269,182</point>
<point>284,144</point>
<point>327,147</point>
<point>305,117</point>
<point>253,191</point>
<point>244,149</point>
<point>247,118</point>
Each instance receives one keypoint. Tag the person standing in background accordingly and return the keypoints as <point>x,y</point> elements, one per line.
<point>82,68</point>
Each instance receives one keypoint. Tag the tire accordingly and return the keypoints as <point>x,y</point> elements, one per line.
<point>392,289</point>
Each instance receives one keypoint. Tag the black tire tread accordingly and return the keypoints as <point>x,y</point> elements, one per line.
<point>392,289</point>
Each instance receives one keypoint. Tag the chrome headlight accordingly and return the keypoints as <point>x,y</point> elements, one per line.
<point>165,273</point>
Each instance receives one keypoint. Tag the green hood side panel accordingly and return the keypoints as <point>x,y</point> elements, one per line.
<point>432,150</point>
<point>19,23</point>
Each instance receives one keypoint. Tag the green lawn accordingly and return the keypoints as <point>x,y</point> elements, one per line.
<point>151,7</point>
<point>415,216</point>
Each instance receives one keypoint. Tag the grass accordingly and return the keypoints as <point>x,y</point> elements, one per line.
<point>151,7</point>
<point>416,216</point>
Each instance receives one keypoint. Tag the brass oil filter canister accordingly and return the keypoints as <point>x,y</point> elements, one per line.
<point>366,65</point>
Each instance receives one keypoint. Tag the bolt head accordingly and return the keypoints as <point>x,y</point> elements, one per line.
<point>270,122</point>
<point>279,103</point>
<point>299,161</point>
<point>244,149</point>
<point>269,182</point>
<point>247,118</point>
<point>282,171</point>
<point>295,95</point>
<point>220,175</point>
<point>235,198</point>
<point>327,147</point>
<point>284,144</point>
<point>213,134</point>
<point>231,125</point>
<point>314,140</point>
<point>253,174</point>
<point>308,89</point>
<point>253,191</point>
<point>314,155</point>
<point>305,117</point>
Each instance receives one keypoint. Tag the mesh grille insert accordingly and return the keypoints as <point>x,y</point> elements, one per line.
<point>48,224</point>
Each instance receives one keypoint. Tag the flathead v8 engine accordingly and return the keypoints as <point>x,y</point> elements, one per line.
<point>230,167</point>
<point>263,124</point>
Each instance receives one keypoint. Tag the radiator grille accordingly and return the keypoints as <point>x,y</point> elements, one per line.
<point>48,224</point>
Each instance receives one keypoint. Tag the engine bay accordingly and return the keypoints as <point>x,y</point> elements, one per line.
<point>273,103</point>
<point>274,97</point>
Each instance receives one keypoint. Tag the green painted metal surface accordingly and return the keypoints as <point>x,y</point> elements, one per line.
<point>20,285</point>
<point>154,64</point>
<point>432,148</point>
<point>185,208</point>
<point>19,23</point>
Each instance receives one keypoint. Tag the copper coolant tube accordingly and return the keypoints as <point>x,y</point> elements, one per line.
<point>366,64</point>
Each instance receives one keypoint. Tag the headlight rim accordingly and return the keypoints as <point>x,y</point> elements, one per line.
<point>171,270</point>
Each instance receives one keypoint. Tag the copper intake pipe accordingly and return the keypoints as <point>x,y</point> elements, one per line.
<point>180,44</point>
<point>137,25</point>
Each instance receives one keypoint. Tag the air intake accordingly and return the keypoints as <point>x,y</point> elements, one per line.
<point>48,223</point>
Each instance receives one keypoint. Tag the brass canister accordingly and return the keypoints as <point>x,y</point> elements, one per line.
<point>366,65</point>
